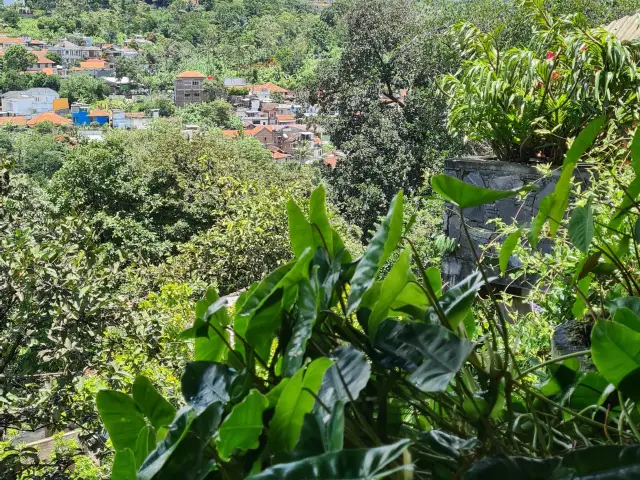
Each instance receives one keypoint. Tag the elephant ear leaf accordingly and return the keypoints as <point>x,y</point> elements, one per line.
<point>121,417</point>
<point>383,243</point>
<point>154,406</point>
<point>360,464</point>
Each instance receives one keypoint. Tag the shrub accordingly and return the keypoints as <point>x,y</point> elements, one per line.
<point>527,102</point>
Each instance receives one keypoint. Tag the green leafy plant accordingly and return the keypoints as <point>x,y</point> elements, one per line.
<point>527,102</point>
<point>325,370</point>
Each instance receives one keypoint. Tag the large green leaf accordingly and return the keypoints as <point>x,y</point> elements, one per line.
<point>393,284</point>
<point>242,428</point>
<point>465,195</point>
<point>561,193</point>
<point>632,303</point>
<point>121,417</point>
<point>300,230</point>
<point>634,150</point>
<point>630,197</point>
<point>382,244</point>
<point>456,302</point>
<point>444,354</point>
<point>508,246</point>
<point>581,228</point>
<point>541,217</point>
<point>307,313</point>
<point>204,383</point>
<point>318,218</point>
<point>294,403</point>
<point>361,464</point>
<point>608,462</point>
<point>211,319</point>
<point>615,350</point>
<point>264,323</point>
<point>346,378</point>
<point>146,444</point>
<point>154,406</point>
<point>124,465</point>
<point>626,317</point>
<point>180,453</point>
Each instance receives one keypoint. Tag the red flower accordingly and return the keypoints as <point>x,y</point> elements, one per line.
<point>550,55</point>
<point>584,47</point>
<point>539,84</point>
<point>555,75</point>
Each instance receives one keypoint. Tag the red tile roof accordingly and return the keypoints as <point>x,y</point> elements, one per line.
<point>49,117</point>
<point>94,64</point>
<point>272,87</point>
<point>11,40</point>
<point>230,133</point>
<point>99,113</point>
<point>191,74</point>
<point>278,155</point>
<point>285,117</point>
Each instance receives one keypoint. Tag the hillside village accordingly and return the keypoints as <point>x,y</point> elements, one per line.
<point>266,112</point>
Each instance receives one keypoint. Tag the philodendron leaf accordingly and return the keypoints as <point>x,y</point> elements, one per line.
<point>180,453</point>
<point>318,218</point>
<point>308,304</point>
<point>607,462</point>
<point>300,230</point>
<point>204,383</point>
<point>335,428</point>
<point>615,350</point>
<point>540,219</point>
<point>561,193</point>
<point>294,403</point>
<point>154,406</point>
<point>242,428</point>
<point>360,464</point>
<point>211,336</point>
<point>124,465</point>
<point>346,378</point>
<point>508,246</point>
<point>121,417</point>
<point>382,244</point>
<point>146,443</point>
<point>581,227</point>
<point>456,302</point>
<point>465,195</point>
<point>393,284</point>
<point>444,354</point>
<point>626,317</point>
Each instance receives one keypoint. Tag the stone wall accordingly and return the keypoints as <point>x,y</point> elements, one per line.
<point>497,175</point>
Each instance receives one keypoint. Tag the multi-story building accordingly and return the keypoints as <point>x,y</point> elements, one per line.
<point>188,87</point>
<point>29,102</point>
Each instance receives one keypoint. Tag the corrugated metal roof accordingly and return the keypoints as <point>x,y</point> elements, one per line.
<point>627,29</point>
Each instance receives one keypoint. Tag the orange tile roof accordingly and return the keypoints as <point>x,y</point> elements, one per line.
<point>278,155</point>
<point>18,120</point>
<point>331,160</point>
<point>284,117</point>
<point>49,71</point>
<point>60,103</point>
<point>46,61</point>
<point>99,113</point>
<point>49,117</point>
<point>94,64</point>
<point>272,87</point>
<point>191,74</point>
<point>230,133</point>
<point>11,40</point>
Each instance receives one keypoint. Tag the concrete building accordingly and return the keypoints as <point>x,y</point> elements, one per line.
<point>188,87</point>
<point>29,102</point>
<point>72,53</point>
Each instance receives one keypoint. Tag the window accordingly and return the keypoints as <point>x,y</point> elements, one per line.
<point>195,83</point>
<point>196,94</point>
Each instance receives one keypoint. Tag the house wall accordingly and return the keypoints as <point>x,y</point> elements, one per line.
<point>188,90</point>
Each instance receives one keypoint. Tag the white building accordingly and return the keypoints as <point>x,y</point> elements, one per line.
<point>29,102</point>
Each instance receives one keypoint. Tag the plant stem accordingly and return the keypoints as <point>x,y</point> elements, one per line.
<point>626,414</point>
<point>553,360</point>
